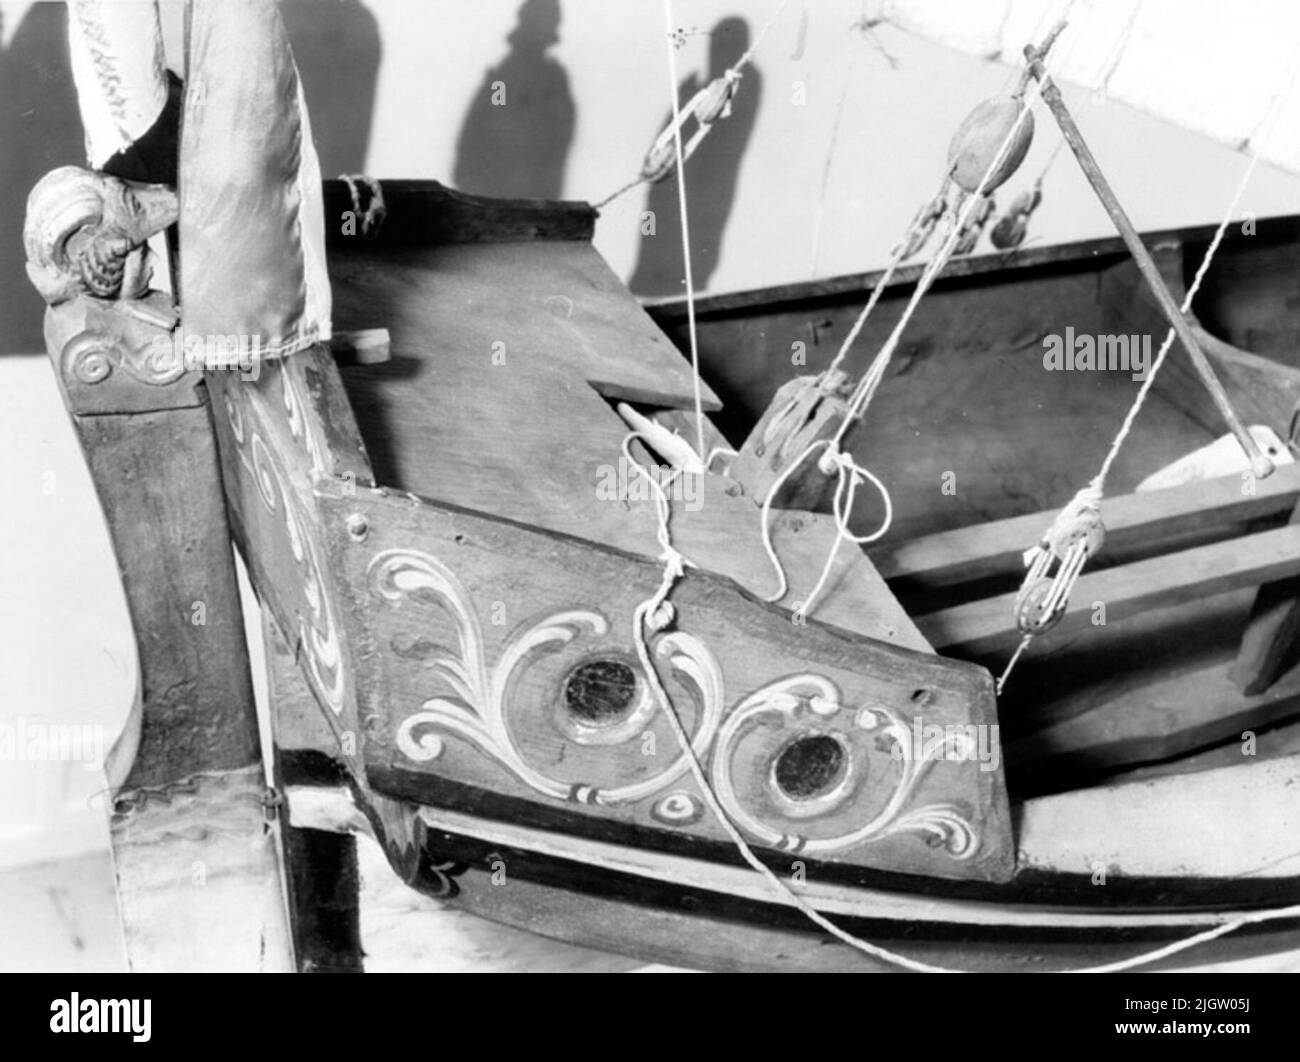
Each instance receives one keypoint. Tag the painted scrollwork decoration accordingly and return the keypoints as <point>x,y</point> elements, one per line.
<point>815,696</point>
<point>319,631</point>
<point>473,705</point>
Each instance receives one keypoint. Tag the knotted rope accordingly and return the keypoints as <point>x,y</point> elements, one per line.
<point>848,473</point>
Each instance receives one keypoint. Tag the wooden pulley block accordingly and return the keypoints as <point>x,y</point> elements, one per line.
<point>978,142</point>
<point>806,410</point>
<point>1012,227</point>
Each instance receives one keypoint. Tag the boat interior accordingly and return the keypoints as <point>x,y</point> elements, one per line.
<point>1116,736</point>
<point>1149,691</point>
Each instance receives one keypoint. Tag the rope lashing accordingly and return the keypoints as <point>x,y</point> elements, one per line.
<point>657,611</point>
<point>1054,566</point>
<point>372,216</point>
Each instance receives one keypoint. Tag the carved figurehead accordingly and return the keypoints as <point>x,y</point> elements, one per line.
<point>87,233</point>
<point>86,237</point>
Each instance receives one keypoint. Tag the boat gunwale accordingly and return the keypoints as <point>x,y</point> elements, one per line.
<point>1089,254</point>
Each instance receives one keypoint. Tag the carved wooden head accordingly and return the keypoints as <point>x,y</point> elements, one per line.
<point>85,233</point>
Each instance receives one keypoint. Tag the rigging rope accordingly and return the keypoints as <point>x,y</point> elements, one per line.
<point>657,613</point>
<point>1063,582</point>
<point>685,223</point>
<point>1009,233</point>
<point>847,471</point>
<point>708,105</point>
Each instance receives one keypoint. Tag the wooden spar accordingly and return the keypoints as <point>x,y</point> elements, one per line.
<point>1259,462</point>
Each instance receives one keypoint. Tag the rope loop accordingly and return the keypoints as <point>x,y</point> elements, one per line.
<point>849,475</point>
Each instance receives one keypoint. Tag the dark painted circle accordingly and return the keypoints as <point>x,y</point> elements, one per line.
<point>600,691</point>
<point>809,766</point>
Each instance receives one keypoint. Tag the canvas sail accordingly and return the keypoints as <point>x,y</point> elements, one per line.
<point>1216,69</point>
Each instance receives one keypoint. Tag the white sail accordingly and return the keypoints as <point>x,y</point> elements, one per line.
<point>1214,68</point>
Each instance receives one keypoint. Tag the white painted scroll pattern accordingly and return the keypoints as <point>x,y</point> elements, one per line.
<point>474,708</point>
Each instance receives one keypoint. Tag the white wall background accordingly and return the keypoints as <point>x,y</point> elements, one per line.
<point>887,157</point>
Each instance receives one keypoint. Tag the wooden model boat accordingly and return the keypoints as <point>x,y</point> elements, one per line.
<point>462,580</point>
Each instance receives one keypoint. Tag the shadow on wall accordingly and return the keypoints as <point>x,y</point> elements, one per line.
<point>40,129</point>
<point>711,177</point>
<point>337,48</point>
<point>516,135</point>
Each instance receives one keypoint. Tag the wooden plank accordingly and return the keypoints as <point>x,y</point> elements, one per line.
<point>426,212</point>
<point>1170,715</point>
<point>1133,521</point>
<point>685,923</point>
<point>1041,929</point>
<point>1270,743</point>
<point>277,434</point>
<point>1271,633</point>
<point>497,307</point>
<point>427,579</point>
<point>1215,824</point>
<point>158,482</point>
<point>528,438</point>
<point>985,627</point>
<point>199,886</point>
